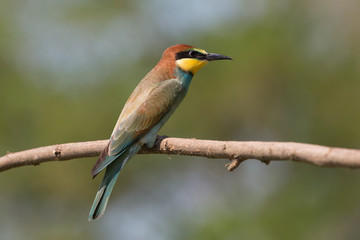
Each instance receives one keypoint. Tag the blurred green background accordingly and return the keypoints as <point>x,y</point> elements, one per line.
<point>67,67</point>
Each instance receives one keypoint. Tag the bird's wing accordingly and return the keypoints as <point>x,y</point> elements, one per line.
<point>140,114</point>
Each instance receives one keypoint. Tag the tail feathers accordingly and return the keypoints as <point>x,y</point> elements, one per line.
<point>102,197</point>
<point>108,182</point>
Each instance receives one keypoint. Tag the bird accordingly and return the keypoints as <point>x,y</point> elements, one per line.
<point>147,109</point>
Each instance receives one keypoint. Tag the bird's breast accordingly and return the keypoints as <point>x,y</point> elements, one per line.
<point>184,78</point>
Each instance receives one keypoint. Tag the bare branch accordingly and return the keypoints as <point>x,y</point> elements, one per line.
<point>236,151</point>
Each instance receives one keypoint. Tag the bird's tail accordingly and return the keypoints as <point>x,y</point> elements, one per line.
<point>108,182</point>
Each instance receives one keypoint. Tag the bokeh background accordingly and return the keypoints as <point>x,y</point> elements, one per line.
<point>67,67</point>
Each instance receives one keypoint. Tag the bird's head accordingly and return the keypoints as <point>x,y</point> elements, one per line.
<point>190,59</point>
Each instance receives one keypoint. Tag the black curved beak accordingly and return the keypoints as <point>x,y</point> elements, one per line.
<point>215,56</point>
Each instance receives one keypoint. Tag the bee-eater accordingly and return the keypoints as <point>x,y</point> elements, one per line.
<point>148,108</point>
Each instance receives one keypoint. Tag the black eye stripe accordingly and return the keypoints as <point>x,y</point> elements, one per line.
<point>197,54</point>
<point>190,54</point>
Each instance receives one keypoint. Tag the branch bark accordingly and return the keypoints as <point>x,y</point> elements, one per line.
<point>236,151</point>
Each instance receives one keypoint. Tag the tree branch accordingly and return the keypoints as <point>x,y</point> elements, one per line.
<point>236,151</point>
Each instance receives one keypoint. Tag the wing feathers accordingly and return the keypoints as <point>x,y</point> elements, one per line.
<point>131,127</point>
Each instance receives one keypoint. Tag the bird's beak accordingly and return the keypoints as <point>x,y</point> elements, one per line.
<point>215,56</point>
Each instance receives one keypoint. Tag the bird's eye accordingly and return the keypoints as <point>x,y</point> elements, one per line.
<point>192,53</point>
<point>196,54</point>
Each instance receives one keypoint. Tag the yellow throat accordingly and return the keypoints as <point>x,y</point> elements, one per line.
<point>190,64</point>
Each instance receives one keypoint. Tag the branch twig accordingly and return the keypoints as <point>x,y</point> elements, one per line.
<point>237,151</point>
